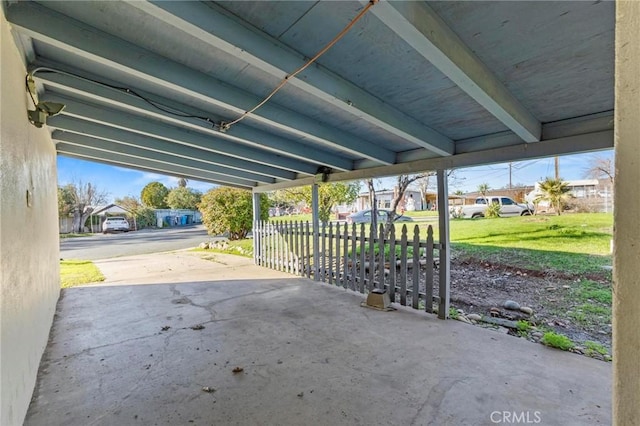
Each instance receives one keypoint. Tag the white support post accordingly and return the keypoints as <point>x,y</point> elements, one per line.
<point>316,231</point>
<point>445,252</point>
<point>626,268</point>
<point>256,219</point>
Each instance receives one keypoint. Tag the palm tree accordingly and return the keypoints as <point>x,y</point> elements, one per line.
<point>483,188</point>
<point>555,191</point>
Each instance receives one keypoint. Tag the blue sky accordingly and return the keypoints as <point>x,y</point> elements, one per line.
<point>119,182</point>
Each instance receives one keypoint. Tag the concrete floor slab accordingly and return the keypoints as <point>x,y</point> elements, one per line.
<point>309,354</point>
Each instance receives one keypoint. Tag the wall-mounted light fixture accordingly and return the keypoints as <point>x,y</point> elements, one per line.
<point>322,174</point>
<point>38,116</point>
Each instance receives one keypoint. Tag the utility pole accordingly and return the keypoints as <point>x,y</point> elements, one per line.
<point>557,169</point>
<point>510,166</point>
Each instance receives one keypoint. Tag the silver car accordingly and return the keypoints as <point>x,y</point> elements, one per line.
<point>364,216</point>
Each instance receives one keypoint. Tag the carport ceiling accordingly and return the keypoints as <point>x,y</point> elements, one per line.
<point>412,86</point>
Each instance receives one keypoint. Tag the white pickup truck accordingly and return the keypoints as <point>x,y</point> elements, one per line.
<point>508,207</point>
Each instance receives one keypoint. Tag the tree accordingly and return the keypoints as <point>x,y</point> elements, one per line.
<point>79,199</point>
<point>423,185</point>
<point>154,195</point>
<point>402,183</point>
<point>329,195</point>
<point>373,202</point>
<point>483,188</point>
<point>145,217</point>
<point>230,210</point>
<point>183,198</point>
<point>600,168</point>
<point>555,191</point>
<point>65,200</point>
<point>128,203</point>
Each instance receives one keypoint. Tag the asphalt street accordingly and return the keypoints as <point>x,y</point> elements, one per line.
<point>101,246</point>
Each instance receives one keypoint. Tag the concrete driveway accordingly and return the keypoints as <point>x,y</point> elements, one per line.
<point>175,339</point>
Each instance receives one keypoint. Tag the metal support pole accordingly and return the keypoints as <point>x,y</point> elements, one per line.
<point>316,231</point>
<point>445,252</point>
<point>256,219</point>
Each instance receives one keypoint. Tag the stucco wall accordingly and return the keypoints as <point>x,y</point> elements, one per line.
<point>29,271</point>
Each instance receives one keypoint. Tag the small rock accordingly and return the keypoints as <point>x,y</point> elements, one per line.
<point>551,289</point>
<point>503,330</point>
<point>208,389</point>
<point>197,327</point>
<point>566,286</point>
<point>204,246</point>
<point>527,310</point>
<point>510,304</point>
<point>301,394</point>
<point>607,358</point>
<point>495,312</point>
<point>165,328</point>
<point>578,350</point>
<point>537,334</point>
<point>463,319</point>
<point>237,370</point>
<point>474,317</point>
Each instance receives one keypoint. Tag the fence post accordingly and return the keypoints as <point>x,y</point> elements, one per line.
<point>443,223</point>
<point>308,249</point>
<point>256,219</point>
<point>362,241</point>
<point>415,261</point>
<point>372,256</point>
<point>345,264</point>
<point>428,298</point>
<point>403,266</point>
<point>392,264</point>
<point>381,262</point>
<point>316,231</point>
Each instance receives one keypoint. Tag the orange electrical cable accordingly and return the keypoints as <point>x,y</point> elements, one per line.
<point>345,30</point>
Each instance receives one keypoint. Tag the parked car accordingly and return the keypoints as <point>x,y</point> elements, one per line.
<point>112,224</point>
<point>508,207</point>
<point>364,216</point>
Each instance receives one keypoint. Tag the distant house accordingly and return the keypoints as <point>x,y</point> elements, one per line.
<point>96,218</point>
<point>518,194</point>
<point>101,212</point>
<point>589,195</point>
<point>411,200</point>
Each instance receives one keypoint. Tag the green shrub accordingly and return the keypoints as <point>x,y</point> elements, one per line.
<point>524,327</point>
<point>558,341</point>
<point>145,217</point>
<point>594,347</point>
<point>230,210</point>
<point>453,313</point>
<point>493,210</point>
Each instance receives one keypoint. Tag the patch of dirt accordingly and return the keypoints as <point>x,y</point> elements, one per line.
<point>477,287</point>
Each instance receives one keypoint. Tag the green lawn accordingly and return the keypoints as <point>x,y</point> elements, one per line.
<point>78,272</point>
<point>570,244</point>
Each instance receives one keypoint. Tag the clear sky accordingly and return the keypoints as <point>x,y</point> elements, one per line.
<point>119,182</point>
